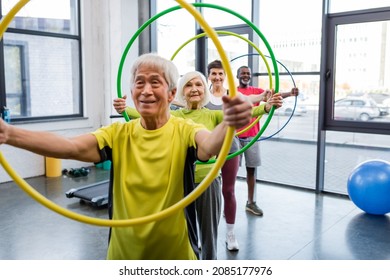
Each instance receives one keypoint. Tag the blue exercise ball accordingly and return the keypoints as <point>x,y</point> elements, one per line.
<point>369,187</point>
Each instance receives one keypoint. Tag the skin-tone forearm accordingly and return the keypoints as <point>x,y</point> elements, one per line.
<point>275,100</point>
<point>257,98</point>
<point>293,92</point>
<point>285,94</point>
<point>83,148</point>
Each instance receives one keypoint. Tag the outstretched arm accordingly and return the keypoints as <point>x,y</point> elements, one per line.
<point>237,113</point>
<point>293,92</point>
<point>83,147</point>
<point>273,100</point>
<point>257,98</point>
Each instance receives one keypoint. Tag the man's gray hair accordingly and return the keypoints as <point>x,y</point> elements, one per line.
<point>167,67</point>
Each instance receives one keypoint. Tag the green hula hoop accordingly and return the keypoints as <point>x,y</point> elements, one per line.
<point>249,144</point>
<point>212,6</point>
<point>231,34</point>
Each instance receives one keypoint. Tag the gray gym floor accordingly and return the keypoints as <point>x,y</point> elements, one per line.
<point>297,225</point>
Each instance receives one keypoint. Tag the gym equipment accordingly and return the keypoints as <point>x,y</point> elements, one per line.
<point>76,172</point>
<point>53,167</point>
<point>369,187</point>
<point>95,194</point>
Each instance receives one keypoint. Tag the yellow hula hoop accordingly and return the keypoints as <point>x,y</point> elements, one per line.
<point>6,20</point>
<point>166,212</point>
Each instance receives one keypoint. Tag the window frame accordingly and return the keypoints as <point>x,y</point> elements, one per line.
<point>3,93</point>
<point>333,20</point>
<point>23,74</point>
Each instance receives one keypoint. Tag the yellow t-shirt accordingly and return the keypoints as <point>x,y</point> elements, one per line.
<point>148,177</point>
<point>209,118</point>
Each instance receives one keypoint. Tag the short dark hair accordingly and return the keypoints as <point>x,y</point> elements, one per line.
<point>241,67</point>
<point>214,64</point>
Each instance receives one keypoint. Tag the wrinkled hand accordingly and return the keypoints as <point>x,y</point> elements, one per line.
<point>237,111</point>
<point>120,104</point>
<point>294,91</point>
<point>3,131</point>
<point>275,100</point>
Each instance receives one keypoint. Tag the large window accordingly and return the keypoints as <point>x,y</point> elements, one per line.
<point>357,92</point>
<point>294,35</point>
<point>41,61</point>
<point>330,50</point>
<point>357,65</point>
<point>296,46</point>
<point>173,30</point>
<point>362,91</point>
<point>218,17</point>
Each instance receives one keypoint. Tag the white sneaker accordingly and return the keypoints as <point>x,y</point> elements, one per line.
<point>231,242</point>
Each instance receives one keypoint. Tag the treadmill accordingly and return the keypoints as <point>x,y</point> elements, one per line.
<point>95,194</point>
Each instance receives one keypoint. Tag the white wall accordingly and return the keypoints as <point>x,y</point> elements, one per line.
<point>107,26</point>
